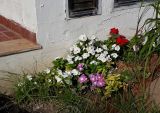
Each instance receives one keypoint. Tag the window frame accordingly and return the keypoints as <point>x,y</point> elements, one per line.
<point>67,11</point>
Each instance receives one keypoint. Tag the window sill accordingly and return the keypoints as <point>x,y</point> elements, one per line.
<point>68,18</point>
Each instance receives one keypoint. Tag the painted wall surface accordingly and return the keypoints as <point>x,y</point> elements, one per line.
<point>56,33</point>
<point>21,11</point>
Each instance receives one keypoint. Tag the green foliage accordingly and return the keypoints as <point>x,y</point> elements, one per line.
<point>60,63</point>
<point>40,86</point>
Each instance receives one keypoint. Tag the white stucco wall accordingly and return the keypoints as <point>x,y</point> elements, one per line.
<point>56,34</point>
<point>21,11</point>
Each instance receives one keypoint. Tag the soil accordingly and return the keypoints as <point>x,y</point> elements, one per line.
<point>8,106</point>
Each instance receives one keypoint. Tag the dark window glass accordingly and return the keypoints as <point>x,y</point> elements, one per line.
<point>78,8</point>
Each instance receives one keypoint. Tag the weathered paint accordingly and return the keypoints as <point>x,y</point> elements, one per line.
<point>56,33</point>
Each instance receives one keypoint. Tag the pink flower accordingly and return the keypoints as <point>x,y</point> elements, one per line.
<point>93,78</point>
<point>99,77</point>
<point>82,79</point>
<point>97,80</point>
<point>101,83</point>
<point>80,67</point>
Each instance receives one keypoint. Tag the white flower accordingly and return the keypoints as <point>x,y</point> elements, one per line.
<point>70,62</point>
<point>76,58</point>
<point>69,59</point>
<point>59,72</point>
<point>71,48</point>
<point>83,37</point>
<point>93,37</point>
<point>20,84</point>
<point>57,58</point>
<point>114,55</point>
<point>47,71</point>
<point>76,50</point>
<point>117,48</point>
<point>65,75</point>
<point>81,43</point>
<point>75,72</point>
<point>93,62</point>
<point>90,43</point>
<point>154,44</point>
<point>97,55</point>
<point>68,72</point>
<point>85,55</point>
<point>114,45</point>
<point>84,48</point>
<point>35,83</point>
<point>29,77</point>
<point>105,53</point>
<point>135,48</point>
<point>80,58</point>
<point>102,57</point>
<point>145,40</point>
<point>108,58</point>
<point>58,79</point>
<point>104,47</point>
<point>91,50</point>
<point>49,80</point>
<point>98,50</point>
<point>158,40</point>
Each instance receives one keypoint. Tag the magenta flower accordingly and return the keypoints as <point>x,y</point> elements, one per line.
<point>93,78</point>
<point>80,67</point>
<point>97,80</point>
<point>82,79</point>
<point>99,76</point>
<point>101,83</point>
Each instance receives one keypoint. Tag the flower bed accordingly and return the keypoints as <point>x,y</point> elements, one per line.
<point>93,67</point>
<point>100,75</point>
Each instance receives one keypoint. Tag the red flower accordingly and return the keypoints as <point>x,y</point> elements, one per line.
<point>121,40</point>
<point>114,31</point>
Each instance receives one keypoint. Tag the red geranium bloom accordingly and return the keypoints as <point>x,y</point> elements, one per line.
<point>114,31</point>
<point>121,40</point>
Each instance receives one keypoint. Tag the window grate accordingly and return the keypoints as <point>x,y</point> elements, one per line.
<point>78,8</point>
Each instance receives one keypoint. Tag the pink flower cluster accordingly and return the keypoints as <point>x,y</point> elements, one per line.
<point>97,80</point>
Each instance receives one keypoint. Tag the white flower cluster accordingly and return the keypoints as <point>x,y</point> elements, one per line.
<point>88,48</point>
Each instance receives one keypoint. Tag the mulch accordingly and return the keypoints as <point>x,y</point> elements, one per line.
<point>8,106</point>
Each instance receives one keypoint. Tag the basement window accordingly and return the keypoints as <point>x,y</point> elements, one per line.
<point>79,8</point>
<point>119,3</point>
